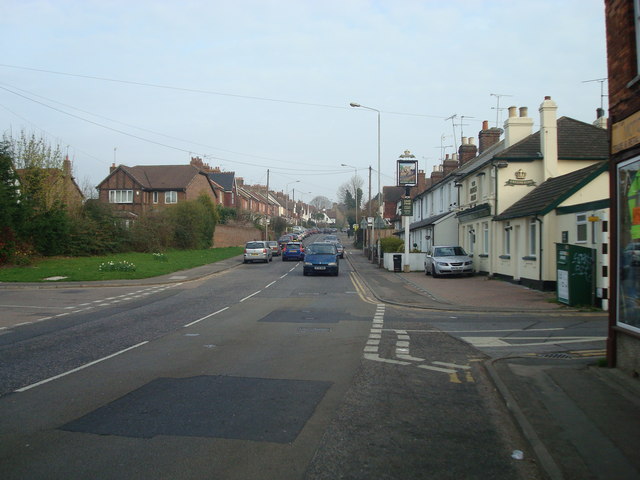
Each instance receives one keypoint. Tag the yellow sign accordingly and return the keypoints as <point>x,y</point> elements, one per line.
<point>626,133</point>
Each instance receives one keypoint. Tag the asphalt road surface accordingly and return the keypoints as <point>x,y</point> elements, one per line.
<point>256,373</point>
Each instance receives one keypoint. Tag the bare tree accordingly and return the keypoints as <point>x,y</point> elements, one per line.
<point>320,202</point>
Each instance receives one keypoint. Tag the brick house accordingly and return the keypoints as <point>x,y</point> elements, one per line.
<point>136,190</point>
<point>59,185</point>
<point>623,62</point>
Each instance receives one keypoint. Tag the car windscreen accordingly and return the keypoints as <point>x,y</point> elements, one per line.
<point>293,246</point>
<point>448,251</point>
<point>252,245</point>
<point>321,249</point>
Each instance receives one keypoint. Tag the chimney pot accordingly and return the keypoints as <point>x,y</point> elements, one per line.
<point>524,111</point>
<point>465,141</point>
<point>547,97</point>
<point>512,111</point>
<point>485,125</point>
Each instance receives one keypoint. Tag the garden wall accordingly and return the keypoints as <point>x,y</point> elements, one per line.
<point>235,235</point>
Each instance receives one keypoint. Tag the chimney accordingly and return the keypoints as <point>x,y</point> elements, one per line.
<point>437,173</point>
<point>449,166</point>
<point>421,186</point>
<point>240,181</point>
<point>467,150</point>
<point>66,166</point>
<point>549,137</point>
<point>516,127</point>
<point>112,168</point>
<point>488,137</point>
<point>601,120</point>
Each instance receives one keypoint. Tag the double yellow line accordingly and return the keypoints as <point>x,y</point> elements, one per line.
<point>361,289</point>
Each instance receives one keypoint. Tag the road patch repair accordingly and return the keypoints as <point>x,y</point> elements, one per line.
<point>239,408</point>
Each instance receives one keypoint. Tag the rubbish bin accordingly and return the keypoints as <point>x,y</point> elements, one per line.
<point>397,263</point>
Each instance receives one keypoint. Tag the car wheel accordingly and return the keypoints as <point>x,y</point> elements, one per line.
<point>434,273</point>
<point>426,270</point>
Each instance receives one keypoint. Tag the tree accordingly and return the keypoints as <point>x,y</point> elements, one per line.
<point>320,202</point>
<point>10,206</point>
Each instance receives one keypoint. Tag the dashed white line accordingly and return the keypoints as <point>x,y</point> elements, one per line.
<point>33,385</point>
<point>206,316</point>
<point>249,296</point>
<point>270,284</point>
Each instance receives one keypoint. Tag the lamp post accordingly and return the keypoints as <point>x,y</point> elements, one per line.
<point>286,191</point>
<point>357,105</point>
<point>355,170</point>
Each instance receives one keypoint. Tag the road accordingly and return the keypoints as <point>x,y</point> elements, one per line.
<point>255,373</point>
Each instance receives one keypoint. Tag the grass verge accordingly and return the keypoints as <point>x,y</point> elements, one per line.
<point>88,269</point>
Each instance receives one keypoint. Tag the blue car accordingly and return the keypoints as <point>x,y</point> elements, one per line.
<point>293,251</point>
<point>321,258</point>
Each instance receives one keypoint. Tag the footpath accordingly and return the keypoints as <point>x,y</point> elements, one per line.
<point>582,421</point>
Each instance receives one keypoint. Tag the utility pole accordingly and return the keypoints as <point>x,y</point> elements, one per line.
<point>266,224</point>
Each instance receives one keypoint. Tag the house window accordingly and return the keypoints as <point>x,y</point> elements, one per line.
<point>120,196</point>
<point>155,197</point>
<point>581,228</point>
<point>533,228</point>
<point>171,197</point>
<point>507,239</point>
<point>485,238</point>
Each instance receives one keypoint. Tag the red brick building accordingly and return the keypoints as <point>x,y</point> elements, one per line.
<point>623,59</point>
<point>136,190</point>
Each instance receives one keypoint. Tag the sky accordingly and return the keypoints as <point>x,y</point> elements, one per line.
<point>252,86</point>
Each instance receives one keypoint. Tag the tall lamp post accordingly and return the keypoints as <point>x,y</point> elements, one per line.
<point>286,191</point>
<point>357,105</point>
<point>355,170</point>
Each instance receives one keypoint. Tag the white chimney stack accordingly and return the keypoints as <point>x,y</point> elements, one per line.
<point>516,127</point>
<point>549,137</point>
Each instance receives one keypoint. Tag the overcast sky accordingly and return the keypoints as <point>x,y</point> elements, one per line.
<point>266,84</point>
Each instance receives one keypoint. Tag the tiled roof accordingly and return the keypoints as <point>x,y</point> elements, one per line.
<point>576,141</point>
<point>549,194</point>
<point>162,177</point>
<point>428,221</point>
<point>224,179</point>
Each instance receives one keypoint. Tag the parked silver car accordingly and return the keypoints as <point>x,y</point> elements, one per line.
<point>447,260</point>
<point>257,250</point>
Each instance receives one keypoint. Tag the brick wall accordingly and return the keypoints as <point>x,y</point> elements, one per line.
<point>235,235</point>
<point>621,60</point>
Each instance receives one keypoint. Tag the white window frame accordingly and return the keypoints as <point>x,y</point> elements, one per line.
<point>507,239</point>
<point>120,196</point>
<point>533,240</point>
<point>582,230</point>
<point>485,238</point>
<point>170,196</point>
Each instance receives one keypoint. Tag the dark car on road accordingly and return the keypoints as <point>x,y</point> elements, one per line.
<point>321,258</point>
<point>293,251</point>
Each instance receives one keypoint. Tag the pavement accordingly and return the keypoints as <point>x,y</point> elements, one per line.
<point>582,421</point>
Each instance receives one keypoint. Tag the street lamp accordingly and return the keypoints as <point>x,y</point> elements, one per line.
<point>286,191</point>
<point>355,170</point>
<point>380,212</point>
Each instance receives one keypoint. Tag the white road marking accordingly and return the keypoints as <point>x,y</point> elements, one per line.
<point>498,342</point>
<point>249,296</point>
<point>33,385</point>
<point>206,316</point>
<point>270,284</point>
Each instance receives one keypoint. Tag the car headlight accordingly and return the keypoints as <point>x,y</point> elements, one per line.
<point>308,264</point>
<point>332,264</point>
<point>442,264</point>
